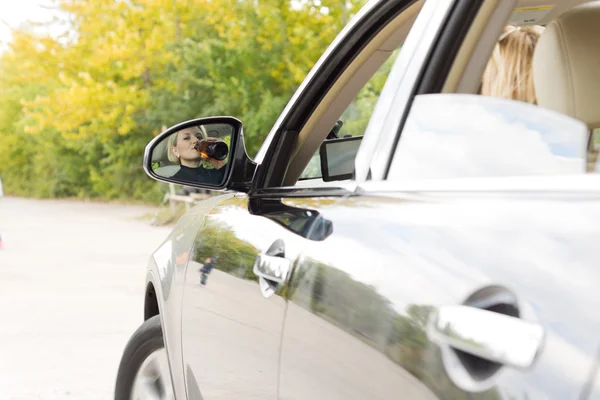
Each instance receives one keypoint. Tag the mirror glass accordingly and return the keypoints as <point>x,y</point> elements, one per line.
<point>337,158</point>
<point>196,154</point>
<point>334,161</point>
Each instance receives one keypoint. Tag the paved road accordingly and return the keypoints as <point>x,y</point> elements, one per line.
<point>71,292</point>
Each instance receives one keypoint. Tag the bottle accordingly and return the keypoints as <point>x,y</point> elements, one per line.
<point>217,150</point>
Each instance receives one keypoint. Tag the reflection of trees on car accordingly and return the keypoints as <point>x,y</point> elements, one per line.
<point>356,308</point>
<point>234,256</point>
<point>362,312</point>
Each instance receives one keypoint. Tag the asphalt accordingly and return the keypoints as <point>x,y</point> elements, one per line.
<point>71,291</point>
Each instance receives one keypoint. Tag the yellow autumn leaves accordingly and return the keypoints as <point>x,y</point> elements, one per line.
<point>76,111</point>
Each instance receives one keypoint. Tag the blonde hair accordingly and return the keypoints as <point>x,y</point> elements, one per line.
<point>509,73</point>
<point>200,132</point>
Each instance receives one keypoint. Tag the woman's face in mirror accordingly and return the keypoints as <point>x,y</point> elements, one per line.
<point>184,147</point>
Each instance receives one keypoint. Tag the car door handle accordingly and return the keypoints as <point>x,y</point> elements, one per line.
<point>488,335</point>
<point>272,268</point>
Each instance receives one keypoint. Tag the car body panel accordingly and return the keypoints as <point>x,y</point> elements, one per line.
<point>165,274</point>
<point>231,332</point>
<point>356,325</point>
<point>371,264</point>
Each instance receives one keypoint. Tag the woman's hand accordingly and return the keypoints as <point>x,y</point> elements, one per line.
<point>217,164</point>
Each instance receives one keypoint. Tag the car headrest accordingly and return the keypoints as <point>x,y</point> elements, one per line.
<point>160,153</point>
<point>566,64</point>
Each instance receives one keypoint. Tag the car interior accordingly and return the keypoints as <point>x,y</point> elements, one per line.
<point>160,159</point>
<point>566,62</point>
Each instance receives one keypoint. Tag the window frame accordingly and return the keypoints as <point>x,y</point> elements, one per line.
<point>487,33</point>
<point>425,61</point>
<point>431,79</point>
<point>274,155</point>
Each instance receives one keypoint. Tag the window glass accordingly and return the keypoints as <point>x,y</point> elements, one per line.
<point>463,135</point>
<point>352,123</point>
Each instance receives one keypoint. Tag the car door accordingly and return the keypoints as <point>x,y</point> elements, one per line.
<point>232,325</point>
<point>366,303</point>
<point>232,319</point>
<point>466,272</point>
<point>461,267</point>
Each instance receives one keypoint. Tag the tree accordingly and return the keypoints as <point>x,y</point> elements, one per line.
<point>78,110</point>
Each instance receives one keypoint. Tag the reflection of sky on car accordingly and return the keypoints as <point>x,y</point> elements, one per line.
<point>456,246</point>
<point>450,136</point>
<point>452,248</point>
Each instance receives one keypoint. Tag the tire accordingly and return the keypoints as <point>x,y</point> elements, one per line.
<point>144,371</point>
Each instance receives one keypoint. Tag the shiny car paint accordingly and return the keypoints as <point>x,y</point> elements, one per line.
<point>163,281</point>
<point>352,319</point>
<point>372,262</point>
<point>356,324</point>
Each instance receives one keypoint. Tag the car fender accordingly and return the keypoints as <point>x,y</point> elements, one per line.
<point>166,272</point>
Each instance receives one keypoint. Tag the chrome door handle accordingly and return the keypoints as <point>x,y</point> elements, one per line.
<point>271,268</point>
<point>488,335</point>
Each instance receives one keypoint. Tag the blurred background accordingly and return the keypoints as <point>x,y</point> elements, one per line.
<point>86,84</point>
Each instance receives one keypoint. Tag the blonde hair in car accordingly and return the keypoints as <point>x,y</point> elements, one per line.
<point>200,133</point>
<point>508,73</point>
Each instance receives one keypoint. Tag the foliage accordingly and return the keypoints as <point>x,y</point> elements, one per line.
<point>357,115</point>
<point>76,111</point>
<point>364,313</point>
<point>232,254</point>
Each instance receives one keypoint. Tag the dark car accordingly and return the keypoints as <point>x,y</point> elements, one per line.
<point>406,240</point>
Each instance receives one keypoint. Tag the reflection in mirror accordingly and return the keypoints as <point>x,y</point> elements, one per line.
<point>334,161</point>
<point>337,158</point>
<point>194,154</point>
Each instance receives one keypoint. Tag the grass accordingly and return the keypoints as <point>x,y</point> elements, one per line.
<point>164,216</point>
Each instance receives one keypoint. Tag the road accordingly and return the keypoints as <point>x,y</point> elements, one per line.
<point>71,292</point>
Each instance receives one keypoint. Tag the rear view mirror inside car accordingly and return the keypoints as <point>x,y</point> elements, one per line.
<point>337,158</point>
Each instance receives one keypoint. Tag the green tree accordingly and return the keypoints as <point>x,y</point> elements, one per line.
<point>78,110</point>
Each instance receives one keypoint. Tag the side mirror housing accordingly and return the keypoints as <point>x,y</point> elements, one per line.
<point>207,153</point>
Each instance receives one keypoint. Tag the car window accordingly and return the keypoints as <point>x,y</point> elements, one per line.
<point>338,151</point>
<point>466,135</point>
<point>517,125</point>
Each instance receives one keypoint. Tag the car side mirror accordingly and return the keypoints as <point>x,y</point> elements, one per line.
<point>207,153</point>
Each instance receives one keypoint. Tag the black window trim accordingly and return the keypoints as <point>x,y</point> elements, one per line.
<point>432,77</point>
<point>270,173</point>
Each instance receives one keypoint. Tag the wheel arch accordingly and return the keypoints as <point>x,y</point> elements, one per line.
<point>151,307</point>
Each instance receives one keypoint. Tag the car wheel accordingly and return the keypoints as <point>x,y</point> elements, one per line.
<point>144,372</point>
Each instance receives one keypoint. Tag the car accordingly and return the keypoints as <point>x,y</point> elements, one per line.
<point>412,239</point>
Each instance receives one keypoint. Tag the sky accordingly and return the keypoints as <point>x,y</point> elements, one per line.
<point>15,13</point>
